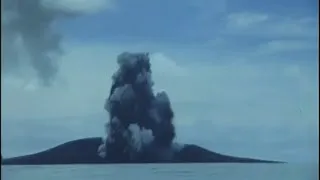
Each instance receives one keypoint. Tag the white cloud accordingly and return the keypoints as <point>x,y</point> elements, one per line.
<point>245,20</point>
<point>80,6</point>
<point>165,66</point>
<point>285,46</point>
<point>269,25</point>
<point>270,34</point>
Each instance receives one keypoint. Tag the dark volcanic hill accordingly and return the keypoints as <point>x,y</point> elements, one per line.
<point>84,151</point>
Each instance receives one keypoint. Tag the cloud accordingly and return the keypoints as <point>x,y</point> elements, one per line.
<point>80,6</point>
<point>245,20</point>
<point>259,24</point>
<point>164,65</point>
<point>286,46</point>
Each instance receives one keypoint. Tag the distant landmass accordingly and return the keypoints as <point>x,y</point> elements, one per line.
<point>84,151</point>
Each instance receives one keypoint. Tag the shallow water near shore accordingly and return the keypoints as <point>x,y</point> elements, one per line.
<point>163,172</point>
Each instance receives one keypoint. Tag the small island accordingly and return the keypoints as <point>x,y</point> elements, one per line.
<point>84,151</point>
<point>140,128</point>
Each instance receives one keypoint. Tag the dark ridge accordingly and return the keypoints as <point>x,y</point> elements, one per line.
<point>194,153</point>
<point>84,151</point>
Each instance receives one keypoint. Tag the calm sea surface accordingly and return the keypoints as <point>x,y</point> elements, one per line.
<point>163,172</point>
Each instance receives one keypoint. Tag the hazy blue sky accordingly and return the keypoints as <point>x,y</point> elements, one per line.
<point>242,75</point>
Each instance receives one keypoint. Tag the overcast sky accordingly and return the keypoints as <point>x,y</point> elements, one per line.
<point>242,75</point>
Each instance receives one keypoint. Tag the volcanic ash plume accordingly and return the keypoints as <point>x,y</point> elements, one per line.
<point>28,35</point>
<point>139,120</point>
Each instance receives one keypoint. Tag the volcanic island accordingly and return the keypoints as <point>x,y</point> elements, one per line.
<point>140,127</point>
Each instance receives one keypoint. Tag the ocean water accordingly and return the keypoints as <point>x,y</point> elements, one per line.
<point>163,172</point>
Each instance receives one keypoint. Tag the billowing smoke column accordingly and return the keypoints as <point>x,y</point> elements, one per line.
<point>29,22</point>
<point>139,120</point>
<point>26,25</point>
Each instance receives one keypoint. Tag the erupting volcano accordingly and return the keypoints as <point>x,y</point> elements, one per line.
<point>140,121</point>
<point>140,128</point>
